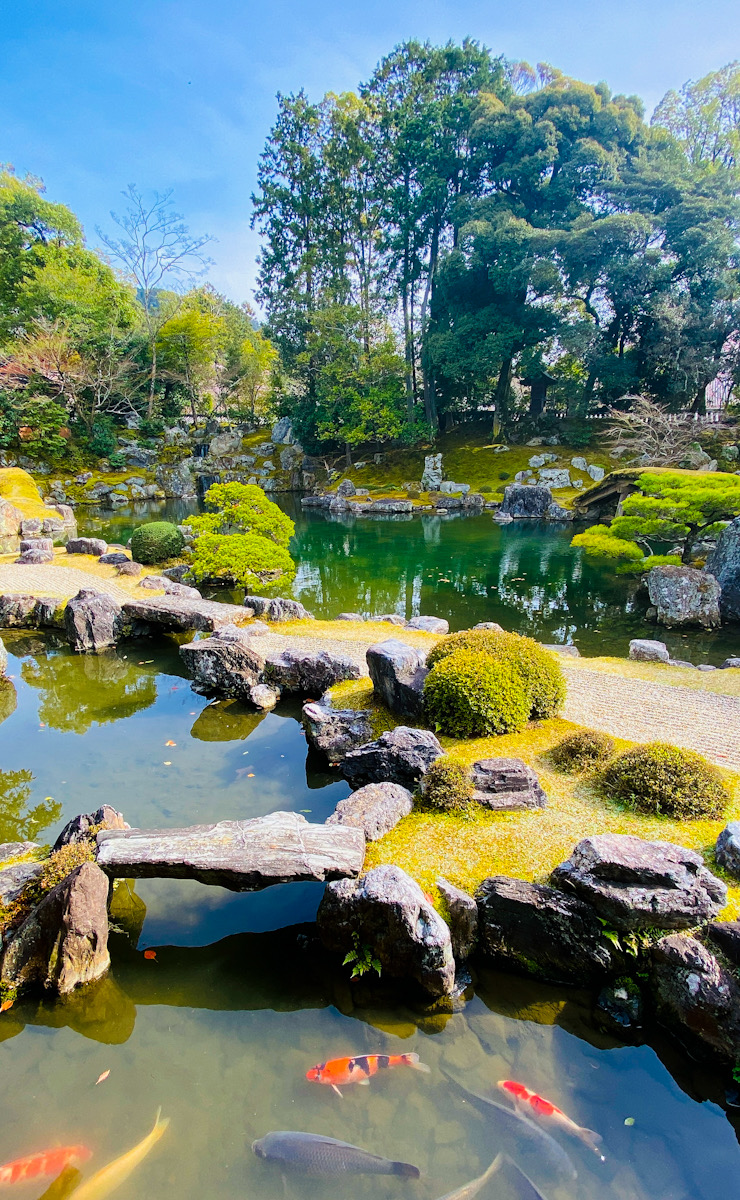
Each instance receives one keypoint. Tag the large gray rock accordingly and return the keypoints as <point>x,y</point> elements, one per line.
<point>648,650</point>
<point>634,884</point>
<point>463,919</point>
<point>16,610</point>
<point>335,731</point>
<point>555,477</point>
<point>596,473</point>
<point>85,545</point>
<point>386,911</point>
<point>309,673</point>
<point>390,504</point>
<point>178,481</point>
<point>684,596</point>
<point>450,488</point>
<point>538,930</point>
<point>229,442</point>
<point>526,500</point>
<point>506,785</point>
<point>401,755</point>
<point>730,663</point>
<point>80,828</point>
<point>93,621</point>
<point>696,997</point>
<point>727,849</point>
<point>346,488</point>
<point>398,672</point>
<point>185,613</point>
<point>243,856</point>
<point>13,880</point>
<point>11,850</point>
<point>724,564</point>
<point>429,624</point>
<point>64,942</point>
<point>282,432</point>
<point>433,473</point>
<point>225,664</point>
<point>375,809</point>
<point>278,609</point>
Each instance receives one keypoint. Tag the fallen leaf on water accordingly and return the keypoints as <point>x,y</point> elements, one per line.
<point>6,1004</point>
<point>150,954</point>
<point>42,725</point>
<point>250,775</point>
<point>167,764</point>
<point>47,799</point>
<point>429,899</point>
<point>629,1120</point>
<point>102,1078</point>
<point>170,743</point>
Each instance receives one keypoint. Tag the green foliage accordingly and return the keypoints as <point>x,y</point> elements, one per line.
<point>245,558</point>
<point>468,694</point>
<point>102,438</point>
<point>678,507</point>
<point>43,418</point>
<point>361,959</point>
<point>447,786</point>
<point>244,508</point>
<point>582,751</point>
<point>540,672</point>
<point>117,460</point>
<point>666,781</point>
<point>155,542</point>
<point>599,541</point>
<point>151,427</point>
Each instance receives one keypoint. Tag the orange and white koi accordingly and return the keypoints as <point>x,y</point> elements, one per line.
<point>49,1162</point>
<point>360,1069</point>
<point>537,1106</point>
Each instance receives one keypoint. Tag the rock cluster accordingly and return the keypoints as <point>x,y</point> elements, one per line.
<point>401,755</point>
<point>506,785</point>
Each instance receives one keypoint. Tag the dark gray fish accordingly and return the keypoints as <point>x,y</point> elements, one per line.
<point>523,1187</point>
<point>317,1155</point>
<point>540,1149</point>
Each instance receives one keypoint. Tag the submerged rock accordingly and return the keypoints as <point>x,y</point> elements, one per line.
<point>375,809</point>
<point>634,884</point>
<point>309,673</point>
<point>398,672</point>
<point>401,755</point>
<point>226,663</point>
<point>335,731</point>
<point>619,1009</point>
<point>684,596</point>
<point>64,942</point>
<point>263,696</point>
<point>386,911</point>
<point>93,621</point>
<point>506,785</point>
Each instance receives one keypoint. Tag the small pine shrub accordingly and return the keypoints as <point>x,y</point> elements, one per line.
<point>504,475</point>
<point>447,786</point>
<point>664,780</point>
<point>413,490</point>
<point>539,670</point>
<point>582,751</point>
<point>467,694</point>
<point>155,542</point>
<point>485,488</point>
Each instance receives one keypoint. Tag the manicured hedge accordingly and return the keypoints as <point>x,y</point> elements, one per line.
<point>155,542</point>
<point>667,781</point>
<point>540,670</point>
<point>468,694</point>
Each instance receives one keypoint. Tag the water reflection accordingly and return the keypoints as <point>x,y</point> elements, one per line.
<point>19,821</point>
<point>81,690</point>
<point>226,721</point>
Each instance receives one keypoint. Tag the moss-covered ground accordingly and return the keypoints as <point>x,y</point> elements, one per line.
<point>20,490</point>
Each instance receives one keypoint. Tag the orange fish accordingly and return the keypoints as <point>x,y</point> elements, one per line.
<point>49,1162</point>
<point>360,1069</point>
<point>536,1106</point>
<point>6,1004</point>
<point>150,954</point>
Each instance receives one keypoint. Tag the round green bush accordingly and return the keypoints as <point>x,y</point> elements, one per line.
<point>539,669</point>
<point>504,475</point>
<point>667,781</point>
<point>581,751</point>
<point>447,786</point>
<point>485,488</point>
<point>155,542</point>
<point>469,695</point>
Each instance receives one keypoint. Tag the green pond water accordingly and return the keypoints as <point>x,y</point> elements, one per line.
<point>221,1025</point>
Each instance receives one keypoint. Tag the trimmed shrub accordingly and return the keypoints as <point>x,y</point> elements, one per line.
<point>469,695</point>
<point>582,751</point>
<point>447,786</point>
<point>155,542</point>
<point>504,475</point>
<point>666,781</point>
<point>485,488</point>
<point>540,671</point>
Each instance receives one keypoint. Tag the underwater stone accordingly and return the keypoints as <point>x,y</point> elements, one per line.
<point>263,696</point>
<point>375,809</point>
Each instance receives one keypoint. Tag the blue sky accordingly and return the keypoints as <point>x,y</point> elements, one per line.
<point>177,93</point>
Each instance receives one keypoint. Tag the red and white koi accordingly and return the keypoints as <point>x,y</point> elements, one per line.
<point>48,1162</point>
<point>549,1114</point>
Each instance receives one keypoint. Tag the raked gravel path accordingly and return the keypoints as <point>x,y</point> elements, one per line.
<point>652,712</point>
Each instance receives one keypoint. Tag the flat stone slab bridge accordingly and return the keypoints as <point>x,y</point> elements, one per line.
<point>243,856</point>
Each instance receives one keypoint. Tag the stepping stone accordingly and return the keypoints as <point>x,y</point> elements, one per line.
<point>184,613</point>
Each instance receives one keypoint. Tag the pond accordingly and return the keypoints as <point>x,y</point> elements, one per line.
<point>220,1020</point>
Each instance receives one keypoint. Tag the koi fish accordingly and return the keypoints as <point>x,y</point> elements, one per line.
<point>360,1069</point>
<point>538,1107</point>
<point>49,1162</point>
<point>107,1179</point>
<point>63,1186</point>
<point>316,1155</point>
<point>469,1190</point>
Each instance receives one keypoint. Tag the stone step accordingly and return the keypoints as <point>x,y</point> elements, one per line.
<point>185,613</point>
<point>243,856</point>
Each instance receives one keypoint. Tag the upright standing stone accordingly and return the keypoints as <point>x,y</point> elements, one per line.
<point>398,672</point>
<point>93,621</point>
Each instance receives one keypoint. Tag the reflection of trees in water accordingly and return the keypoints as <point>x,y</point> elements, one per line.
<point>80,690</point>
<point>226,721</point>
<point>18,822</point>
<point>8,699</point>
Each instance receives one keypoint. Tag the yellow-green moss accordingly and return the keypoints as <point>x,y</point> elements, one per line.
<point>20,490</point>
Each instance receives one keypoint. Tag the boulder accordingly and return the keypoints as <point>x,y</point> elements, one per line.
<point>12,850</point>
<point>579,463</point>
<point>349,616</point>
<point>684,596</point>
<point>648,650</point>
<point>398,672</point>
<point>538,930</point>
<point>92,621</point>
<point>596,473</point>
<point>696,997</point>
<point>10,527</point>
<point>309,673</point>
<point>506,785</point>
<point>401,755</point>
<point>229,442</point>
<point>727,848</point>
<point>36,544</point>
<point>13,880</point>
<point>346,488</point>
<point>243,856</point>
<point>335,731</point>
<point>48,613</point>
<point>619,1009</point>
<point>449,488</point>
<point>83,827</point>
<point>115,558</point>
<point>35,557</point>
<point>730,663</point>
<point>375,809</point>
<point>634,884</point>
<point>490,625</point>
<point>462,919</point>
<point>387,504</point>
<point>563,651</point>
<point>391,618</point>
<point>556,512</point>
<point>263,696</point>
<point>433,474</point>
<point>84,545</point>
<point>387,912</point>
<point>64,942</point>
<point>153,583</point>
<point>724,564</point>
<point>526,500</point>
<point>726,935</point>
<point>278,609</point>
<point>16,611</point>
<point>130,568</point>
<point>282,432</point>
<point>185,613</point>
<point>225,664</point>
<point>178,481</point>
<point>555,477</point>
<point>429,624</point>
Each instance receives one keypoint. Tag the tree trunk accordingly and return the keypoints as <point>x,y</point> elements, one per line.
<point>152,380</point>
<point>537,396</point>
<point>407,357</point>
<point>700,401</point>
<point>430,406</point>
<point>503,386</point>
<point>348,454</point>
